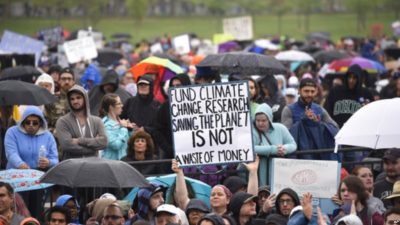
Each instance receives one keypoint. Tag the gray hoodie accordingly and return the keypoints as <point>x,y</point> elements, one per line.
<point>90,139</point>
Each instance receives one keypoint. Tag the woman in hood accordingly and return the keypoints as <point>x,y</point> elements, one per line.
<point>29,144</point>
<point>50,112</point>
<point>69,202</point>
<point>270,139</point>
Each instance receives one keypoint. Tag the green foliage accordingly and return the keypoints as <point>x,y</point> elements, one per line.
<point>137,8</point>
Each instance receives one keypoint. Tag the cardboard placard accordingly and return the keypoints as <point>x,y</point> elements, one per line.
<point>211,124</point>
<point>80,49</point>
<point>52,37</point>
<point>12,42</point>
<point>181,44</point>
<point>239,27</point>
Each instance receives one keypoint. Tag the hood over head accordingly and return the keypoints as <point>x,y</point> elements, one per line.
<point>33,111</point>
<point>183,77</point>
<point>289,192</point>
<point>264,108</point>
<point>356,70</point>
<point>78,89</point>
<point>149,80</point>
<point>46,78</point>
<point>143,198</point>
<point>111,77</point>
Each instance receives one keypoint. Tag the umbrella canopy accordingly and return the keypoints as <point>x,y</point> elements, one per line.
<point>201,190</point>
<point>94,172</point>
<point>393,52</point>
<point>121,36</point>
<point>23,180</point>
<point>318,36</point>
<point>15,92</point>
<point>245,63</point>
<point>266,44</point>
<point>153,65</point>
<point>293,55</point>
<point>26,73</point>
<point>107,57</point>
<point>324,56</point>
<point>373,127</point>
<point>341,65</point>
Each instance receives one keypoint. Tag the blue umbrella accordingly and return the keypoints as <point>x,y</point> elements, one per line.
<point>23,180</point>
<point>202,190</point>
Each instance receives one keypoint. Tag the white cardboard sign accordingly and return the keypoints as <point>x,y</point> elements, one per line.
<point>80,49</point>
<point>211,124</point>
<point>239,27</point>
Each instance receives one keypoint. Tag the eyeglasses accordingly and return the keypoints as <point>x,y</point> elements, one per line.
<point>391,222</point>
<point>112,217</point>
<point>285,201</point>
<point>52,220</point>
<point>31,122</point>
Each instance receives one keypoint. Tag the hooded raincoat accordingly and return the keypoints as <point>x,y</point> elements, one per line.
<point>91,137</point>
<point>265,143</point>
<point>97,93</point>
<point>342,102</point>
<point>22,147</point>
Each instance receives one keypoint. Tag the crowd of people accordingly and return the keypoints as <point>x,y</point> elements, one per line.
<point>117,117</point>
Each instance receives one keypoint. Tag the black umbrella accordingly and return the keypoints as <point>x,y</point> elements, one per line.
<point>15,92</point>
<point>94,172</point>
<point>107,57</point>
<point>245,63</point>
<point>393,52</point>
<point>324,56</point>
<point>121,36</point>
<point>310,48</point>
<point>318,36</point>
<point>25,73</point>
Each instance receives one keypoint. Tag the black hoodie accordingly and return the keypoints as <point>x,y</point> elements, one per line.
<point>164,130</point>
<point>142,109</point>
<point>97,93</point>
<point>289,192</point>
<point>275,99</point>
<point>342,102</point>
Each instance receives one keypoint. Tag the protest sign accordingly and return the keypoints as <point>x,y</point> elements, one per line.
<point>80,49</point>
<point>211,124</point>
<point>316,176</point>
<point>12,42</point>
<point>181,44</point>
<point>52,37</point>
<point>239,27</point>
<point>97,37</point>
<point>156,48</point>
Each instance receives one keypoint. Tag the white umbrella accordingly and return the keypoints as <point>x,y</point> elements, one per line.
<point>267,44</point>
<point>375,125</point>
<point>293,55</point>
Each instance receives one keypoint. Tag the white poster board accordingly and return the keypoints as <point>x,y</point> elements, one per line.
<point>97,37</point>
<point>211,124</point>
<point>156,48</point>
<point>318,177</point>
<point>181,44</point>
<point>80,49</point>
<point>239,27</point>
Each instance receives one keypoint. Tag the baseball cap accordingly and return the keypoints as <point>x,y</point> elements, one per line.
<point>143,81</point>
<point>238,199</point>
<point>391,154</point>
<point>168,208</point>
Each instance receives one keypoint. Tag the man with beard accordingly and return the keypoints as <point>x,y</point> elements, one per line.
<point>80,134</point>
<point>383,187</point>
<point>309,123</point>
<point>66,81</point>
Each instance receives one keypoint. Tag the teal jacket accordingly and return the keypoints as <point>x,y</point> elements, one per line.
<point>117,139</point>
<point>277,134</point>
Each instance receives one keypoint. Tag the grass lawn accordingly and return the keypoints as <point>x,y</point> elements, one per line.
<point>337,24</point>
